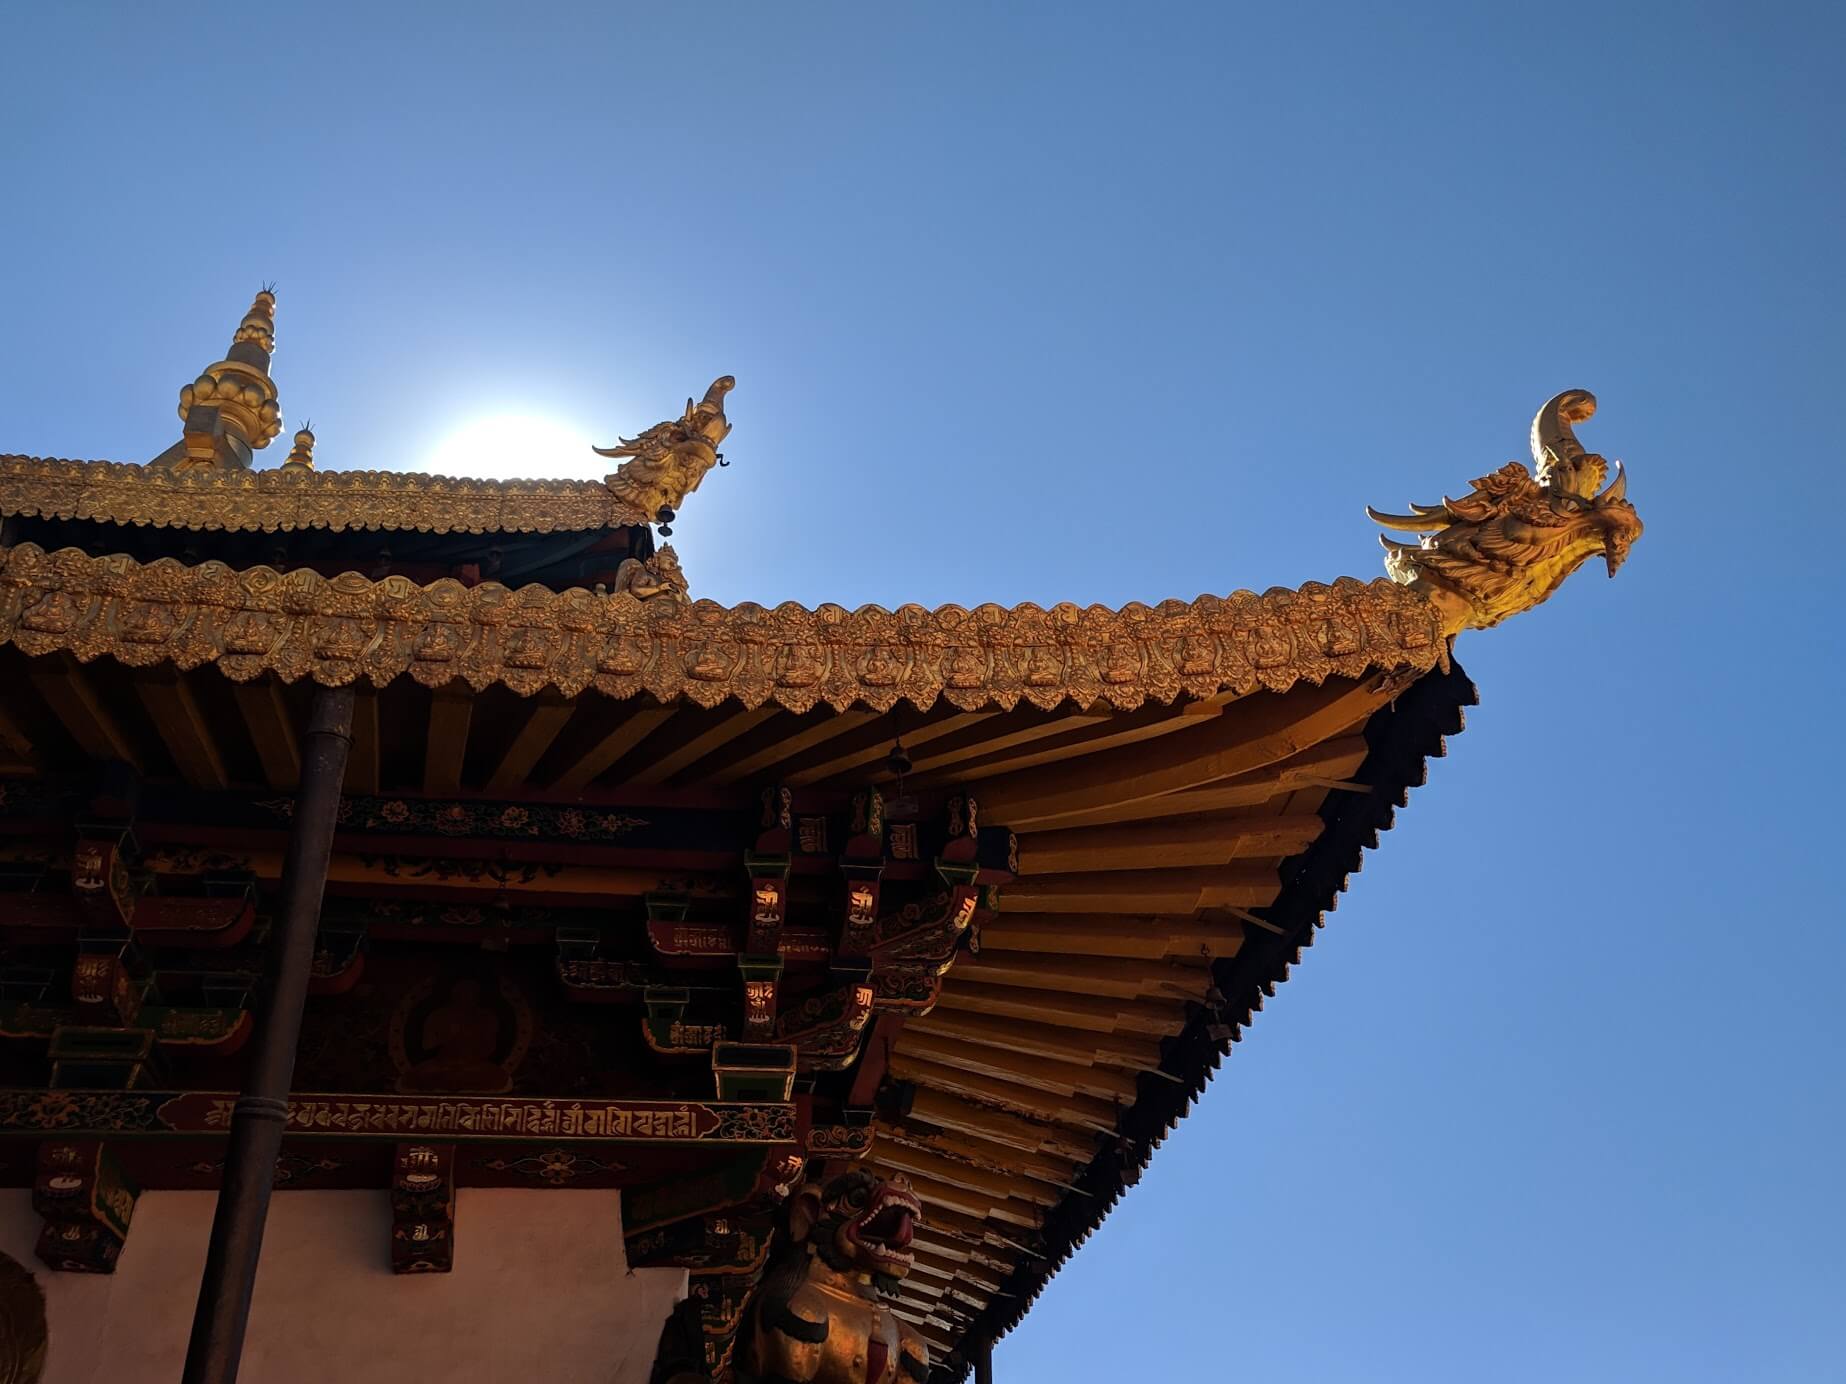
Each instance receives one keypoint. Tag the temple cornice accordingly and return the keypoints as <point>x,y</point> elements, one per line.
<point>338,630</point>
<point>290,498</point>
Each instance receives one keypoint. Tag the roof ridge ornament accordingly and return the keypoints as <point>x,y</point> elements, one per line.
<point>232,409</point>
<point>301,456</point>
<point>666,463</point>
<point>1511,541</point>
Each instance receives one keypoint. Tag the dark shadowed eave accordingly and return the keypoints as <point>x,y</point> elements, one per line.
<point>1400,740</point>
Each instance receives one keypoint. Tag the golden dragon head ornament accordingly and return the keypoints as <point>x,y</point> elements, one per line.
<point>666,463</point>
<point>1511,541</point>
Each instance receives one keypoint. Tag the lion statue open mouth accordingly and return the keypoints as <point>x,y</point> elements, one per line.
<point>821,1316</point>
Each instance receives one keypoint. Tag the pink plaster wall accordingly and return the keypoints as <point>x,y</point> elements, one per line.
<point>540,1291</point>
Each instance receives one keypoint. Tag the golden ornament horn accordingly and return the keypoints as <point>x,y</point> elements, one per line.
<point>1428,519</point>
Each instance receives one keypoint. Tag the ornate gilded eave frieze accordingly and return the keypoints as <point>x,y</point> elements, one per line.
<point>290,498</point>
<point>302,625</point>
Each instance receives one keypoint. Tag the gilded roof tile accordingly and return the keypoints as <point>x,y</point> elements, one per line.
<point>216,498</point>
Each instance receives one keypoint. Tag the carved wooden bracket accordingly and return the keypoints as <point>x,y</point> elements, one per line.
<point>423,1209</point>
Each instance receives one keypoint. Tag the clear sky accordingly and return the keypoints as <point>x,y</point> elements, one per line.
<point>1124,302</point>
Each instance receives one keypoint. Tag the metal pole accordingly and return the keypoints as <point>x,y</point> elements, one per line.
<point>984,1363</point>
<point>256,1123</point>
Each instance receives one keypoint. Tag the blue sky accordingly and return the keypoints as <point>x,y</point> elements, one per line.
<point>1122,302</point>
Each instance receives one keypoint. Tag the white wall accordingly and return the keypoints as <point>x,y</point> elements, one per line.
<point>540,1291</point>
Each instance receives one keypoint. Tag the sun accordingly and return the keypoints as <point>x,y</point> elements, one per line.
<point>511,446</point>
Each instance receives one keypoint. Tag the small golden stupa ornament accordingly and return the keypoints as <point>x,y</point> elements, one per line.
<point>301,455</point>
<point>231,410</point>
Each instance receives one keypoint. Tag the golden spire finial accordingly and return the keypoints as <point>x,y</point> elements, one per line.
<point>232,409</point>
<point>301,456</point>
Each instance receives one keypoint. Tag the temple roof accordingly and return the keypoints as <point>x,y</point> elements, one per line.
<point>1182,789</point>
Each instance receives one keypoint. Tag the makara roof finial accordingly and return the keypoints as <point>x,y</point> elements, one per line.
<point>666,463</point>
<point>1511,541</point>
<point>232,409</point>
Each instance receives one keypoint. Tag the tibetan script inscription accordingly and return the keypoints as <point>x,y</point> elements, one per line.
<point>71,1113</point>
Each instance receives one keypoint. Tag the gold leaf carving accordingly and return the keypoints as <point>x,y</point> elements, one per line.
<point>303,625</point>
<point>1513,539</point>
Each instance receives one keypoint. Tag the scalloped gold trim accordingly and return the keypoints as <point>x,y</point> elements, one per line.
<point>296,498</point>
<point>302,625</point>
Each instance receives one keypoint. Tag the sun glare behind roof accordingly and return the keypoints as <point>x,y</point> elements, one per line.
<point>517,447</point>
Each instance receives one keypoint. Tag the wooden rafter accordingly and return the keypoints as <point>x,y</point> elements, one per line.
<point>1138,891</point>
<point>1079,1112</point>
<point>1250,736</point>
<point>547,717</point>
<point>1082,1046</point>
<point>1112,732</point>
<point>873,744</point>
<point>782,739</point>
<point>272,730</point>
<point>1059,1172</point>
<point>362,764</point>
<point>700,738</point>
<point>965,1114</point>
<point>182,727</point>
<point>1089,1013</point>
<point>1339,756</point>
<point>626,733</point>
<point>1080,975</point>
<point>1215,839</point>
<point>1111,936</point>
<point>1023,725</point>
<point>446,741</point>
<point>73,699</point>
<point>1008,1210</point>
<point>999,1186</point>
<point>1022,1069</point>
<point>16,752</point>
